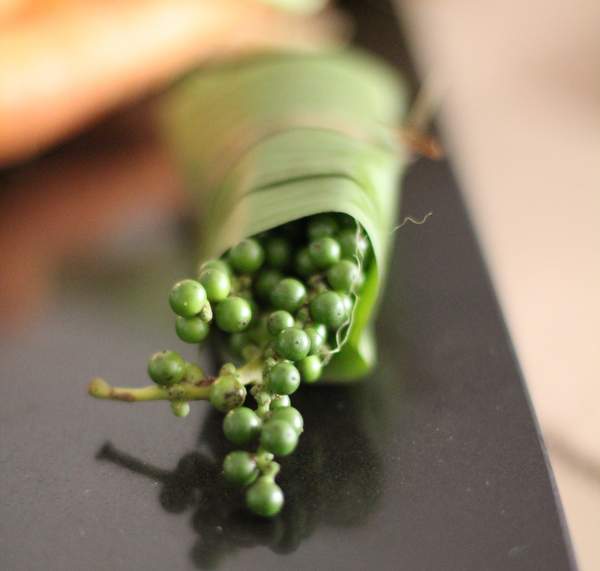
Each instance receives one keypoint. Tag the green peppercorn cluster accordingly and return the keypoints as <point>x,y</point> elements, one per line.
<point>281,301</point>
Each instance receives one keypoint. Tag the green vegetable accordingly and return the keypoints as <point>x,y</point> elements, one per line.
<point>288,294</point>
<point>216,283</point>
<point>233,314</point>
<point>284,379</point>
<point>278,437</point>
<point>227,393</point>
<point>324,252</point>
<point>247,256</point>
<point>264,498</point>
<point>279,320</point>
<point>292,344</point>
<point>187,298</point>
<point>329,309</point>
<point>241,425</point>
<point>296,190</point>
<point>239,468</point>
<point>166,368</point>
<point>290,415</point>
<point>191,329</point>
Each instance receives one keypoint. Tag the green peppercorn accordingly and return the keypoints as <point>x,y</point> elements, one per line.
<point>280,401</point>
<point>278,437</point>
<point>247,256</point>
<point>220,265</point>
<point>227,393</point>
<point>322,225</point>
<point>284,379</point>
<point>317,333</point>
<point>241,425</point>
<point>264,497</point>
<point>180,408</point>
<point>290,415</point>
<point>289,294</point>
<point>303,264</point>
<point>216,283</point>
<point>193,373</point>
<point>166,368</point>
<point>187,298</point>
<point>353,244</point>
<point>324,252</point>
<point>278,321</point>
<point>266,282</point>
<point>191,329</point>
<point>239,468</point>
<point>233,314</point>
<point>279,252</point>
<point>292,344</point>
<point>310,368</point>
<point>328,308</point>
<point>348,303</point>
<point>343,276</point>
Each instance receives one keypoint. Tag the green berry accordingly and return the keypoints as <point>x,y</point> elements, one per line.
<point>239,468</point>
<point>265,283</point>
<point>247,256</point>
<point>280,401</point>
<point>310,368</point>
<point>187,298</point>
<point>323,225</point>
<point>279,320</point>
<point>279,252</point>
<point>348,303</point>
<point>292,344</point>
<point>284,379</point>
<point>264,498</point>
<point>227,393</point>
<point>329,309</point>
<point>353,244</point>
<point>166,368</point>
<point>180,408</point>
<point>317,334</point>
<point>227,369</point>
<point>289,294</point>
<point>343,276</point>
<point>220,265</point>
<point>233,314</point>
<point>216,283</point>
<point>324,252</point>
<point>241,425</point>
<point>290,415</point>
<point>191,329</point>
<point>278,437</point>
<point>193,373</point>
<point>304,264</point>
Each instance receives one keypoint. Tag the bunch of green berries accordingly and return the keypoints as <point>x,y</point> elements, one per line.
<point>281,303</point>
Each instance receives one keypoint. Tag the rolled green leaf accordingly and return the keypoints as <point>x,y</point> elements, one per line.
<point>276,138</point>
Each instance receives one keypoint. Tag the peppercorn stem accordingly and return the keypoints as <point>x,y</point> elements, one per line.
<point>250,373</point>
<point>100,389</point>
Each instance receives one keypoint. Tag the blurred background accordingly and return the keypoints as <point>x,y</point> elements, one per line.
<point>517,93</point>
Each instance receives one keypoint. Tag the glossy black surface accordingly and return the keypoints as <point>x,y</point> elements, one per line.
<point>432,463</point>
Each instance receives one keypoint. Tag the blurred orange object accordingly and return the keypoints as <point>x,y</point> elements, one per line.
<point>63,63</point>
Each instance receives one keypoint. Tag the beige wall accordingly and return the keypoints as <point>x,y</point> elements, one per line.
<point>522,122</point>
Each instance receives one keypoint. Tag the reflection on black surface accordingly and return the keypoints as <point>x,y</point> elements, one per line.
<point>334,478</point>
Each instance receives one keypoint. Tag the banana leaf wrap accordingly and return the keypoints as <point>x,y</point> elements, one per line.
<point>275,138</point>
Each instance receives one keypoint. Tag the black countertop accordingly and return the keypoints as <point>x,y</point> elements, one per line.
<point>435,462</point>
